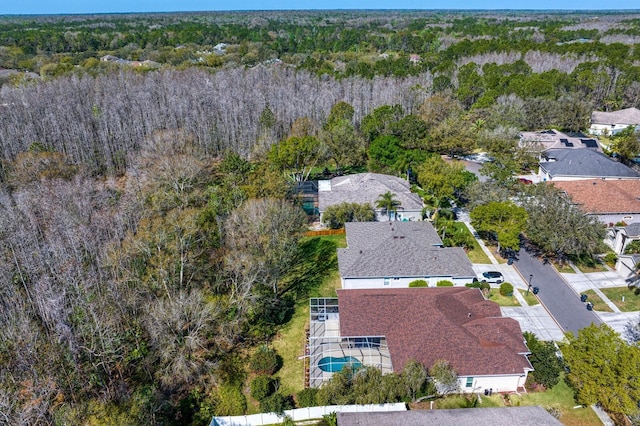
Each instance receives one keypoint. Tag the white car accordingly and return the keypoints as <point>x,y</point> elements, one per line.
<point>492,277</point>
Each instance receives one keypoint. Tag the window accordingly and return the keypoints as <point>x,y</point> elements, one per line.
<point>386,281</point>
<point>469,382</point>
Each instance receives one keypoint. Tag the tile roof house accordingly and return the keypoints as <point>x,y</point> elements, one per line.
<point>366,188</point>
<point>392,254</point>
<point>611,123</point>
<point>612,200</point>
<point>456,324</point>
<point>554,139</point>
<point>575,164</point>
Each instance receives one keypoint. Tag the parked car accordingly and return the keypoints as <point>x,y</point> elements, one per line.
<point>492,277</point>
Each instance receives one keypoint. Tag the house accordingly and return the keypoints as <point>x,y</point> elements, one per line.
<point>493,416</point>
<point>393,254</point>
<point>414,59</point>
<point>612,123</point>
<point>366,188</point>
<point>387,328</point>
<point>576,164</point>
<point>619,237</point>
<point>611,200</point>
<point>627,266</point>
<point>554,139</point>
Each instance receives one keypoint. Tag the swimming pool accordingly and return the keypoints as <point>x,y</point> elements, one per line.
<point>334,364</point>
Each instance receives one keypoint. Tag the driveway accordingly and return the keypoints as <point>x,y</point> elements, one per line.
<point>562,302</point>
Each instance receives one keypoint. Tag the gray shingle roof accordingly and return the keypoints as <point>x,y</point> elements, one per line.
<point>633,230</point>
<point>584,163</point>
<point>399,249</point>
<point>629,116</point>
<point>366,188</point>
<point>503,416</point>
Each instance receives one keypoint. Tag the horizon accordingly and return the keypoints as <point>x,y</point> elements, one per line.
<point>117,7</point>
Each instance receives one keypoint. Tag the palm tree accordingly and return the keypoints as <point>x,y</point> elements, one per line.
<point>388,203</point>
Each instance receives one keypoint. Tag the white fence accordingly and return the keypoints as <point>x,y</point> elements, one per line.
<point>300,414</point>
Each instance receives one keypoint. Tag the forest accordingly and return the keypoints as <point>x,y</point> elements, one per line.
<point>151,242</point>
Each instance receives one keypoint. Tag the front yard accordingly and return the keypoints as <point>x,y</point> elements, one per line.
<point>631,302</point>
<point>598,303</point>
<point>495,296</point>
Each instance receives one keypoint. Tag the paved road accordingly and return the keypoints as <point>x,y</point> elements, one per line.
<point>562,302</point>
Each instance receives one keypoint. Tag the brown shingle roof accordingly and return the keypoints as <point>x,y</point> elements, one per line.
<point>427,324</point>
<point>599,196</point>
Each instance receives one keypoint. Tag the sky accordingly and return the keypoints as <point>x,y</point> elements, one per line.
<point>33,7</point>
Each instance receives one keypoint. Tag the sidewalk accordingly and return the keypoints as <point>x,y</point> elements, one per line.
<point>604,417</point>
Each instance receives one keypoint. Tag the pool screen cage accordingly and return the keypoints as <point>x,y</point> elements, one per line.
<point>329,352</point>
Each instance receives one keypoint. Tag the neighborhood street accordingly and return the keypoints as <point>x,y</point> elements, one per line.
<point>562,302</point>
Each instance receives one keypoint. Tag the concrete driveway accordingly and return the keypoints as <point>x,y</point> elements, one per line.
<point>535,319</point>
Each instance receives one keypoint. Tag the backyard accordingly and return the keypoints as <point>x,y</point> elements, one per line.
<point>558,400</point>
<point>290,341</point>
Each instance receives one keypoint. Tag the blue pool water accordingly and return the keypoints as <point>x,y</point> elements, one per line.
<point>333,364</point>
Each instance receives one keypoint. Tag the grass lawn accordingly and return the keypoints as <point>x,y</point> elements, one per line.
<point>560,398</point>
<point>598,304</point>
<point>495,296</point>
<point>475,253</point>
<point>496,254</point>
<point>631,300</point>
<point>531,299</point>
<point>291,339</point>
<point>591,266</point>
<point>564,267</point>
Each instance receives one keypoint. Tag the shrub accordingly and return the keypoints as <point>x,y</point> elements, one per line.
<point>418,283</point>
<point>632,248</point>
<point>335,216</point>
<point>307,397</point>
<point>506,289</point>
<point>262,387</point>
<point>611,258</point>
<point>276,403</point>
<point>444,283</point>
<point>264,361</point>
<point>231,401</point>
<point>482,285</point>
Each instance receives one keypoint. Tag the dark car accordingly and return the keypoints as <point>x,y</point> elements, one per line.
<point>493,277</point>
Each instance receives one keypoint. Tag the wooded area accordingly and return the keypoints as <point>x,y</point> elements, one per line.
<point>150,238</point>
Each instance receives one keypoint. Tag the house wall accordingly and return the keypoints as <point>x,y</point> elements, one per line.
<point>599,129</point>
<point>626,266</point>
<point>412,215</point>
<point>398,282</point>
<point>627,218</point>
<point>501,383</point>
